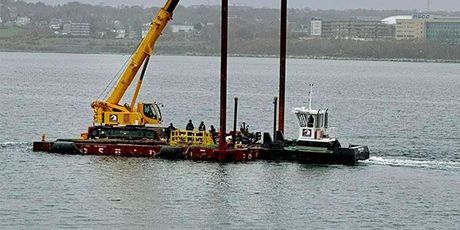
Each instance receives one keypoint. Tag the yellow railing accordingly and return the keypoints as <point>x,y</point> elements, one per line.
<point>189,137</point>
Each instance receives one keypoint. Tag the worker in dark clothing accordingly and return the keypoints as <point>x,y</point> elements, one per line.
<point>310,121</point>
<point>189,126</point>
<point>213,133</point>
<point>168,131</point>
<point>202,127</point>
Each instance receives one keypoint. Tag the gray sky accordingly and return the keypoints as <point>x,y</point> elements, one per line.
<point>449,5</point>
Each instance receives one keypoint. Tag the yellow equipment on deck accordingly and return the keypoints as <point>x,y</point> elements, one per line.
<point>191,137</point>
<point>110,112</point>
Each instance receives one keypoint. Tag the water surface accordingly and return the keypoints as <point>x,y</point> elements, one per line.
<point>407,113</point>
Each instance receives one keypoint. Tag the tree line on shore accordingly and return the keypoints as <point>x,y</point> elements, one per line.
<point>315,48</point>
<point>252,32</point>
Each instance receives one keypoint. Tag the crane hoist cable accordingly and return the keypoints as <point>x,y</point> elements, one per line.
<point>116,76</point>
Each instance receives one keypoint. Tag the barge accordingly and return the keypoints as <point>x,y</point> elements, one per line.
<point>131,130</point>
<point>130,142</point>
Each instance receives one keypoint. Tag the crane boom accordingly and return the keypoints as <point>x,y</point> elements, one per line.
<point>110,112</point>
<point>145,49</point>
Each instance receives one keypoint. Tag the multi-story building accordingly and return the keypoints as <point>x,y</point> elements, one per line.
<point>410,29</point>
<point>425,26</point>
<point>77,29</point>
<point>80,29</point>
<point>357,29</point>
<point>316,26</point>
<point>445,29</point>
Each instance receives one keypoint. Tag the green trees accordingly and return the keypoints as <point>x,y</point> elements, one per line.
<point>251,32</point>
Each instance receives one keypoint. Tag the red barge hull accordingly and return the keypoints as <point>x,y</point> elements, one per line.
<point>145,149</point>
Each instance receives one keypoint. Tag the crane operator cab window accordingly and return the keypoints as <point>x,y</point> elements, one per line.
<point>152,111</point>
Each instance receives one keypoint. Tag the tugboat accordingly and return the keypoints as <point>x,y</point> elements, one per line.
<point>316,143</point>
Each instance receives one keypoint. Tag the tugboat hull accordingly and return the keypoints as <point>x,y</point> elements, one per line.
<point>345,156</point>
<point>312,152</point>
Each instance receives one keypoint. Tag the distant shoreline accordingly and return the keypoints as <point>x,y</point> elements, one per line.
<point>414,60</point>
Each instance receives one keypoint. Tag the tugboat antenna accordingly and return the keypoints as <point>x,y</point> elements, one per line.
<point>309,94</point>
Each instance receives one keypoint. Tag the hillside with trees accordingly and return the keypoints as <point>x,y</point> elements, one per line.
<point>36,27</point>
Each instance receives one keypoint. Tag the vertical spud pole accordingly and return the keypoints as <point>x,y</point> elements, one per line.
<point>282,86</point>
<point>223,77</point>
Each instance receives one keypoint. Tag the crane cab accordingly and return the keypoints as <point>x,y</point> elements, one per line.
<point>117,115</point>
<point>151,113</point>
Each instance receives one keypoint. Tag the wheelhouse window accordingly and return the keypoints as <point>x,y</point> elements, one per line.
<point>302,119</point>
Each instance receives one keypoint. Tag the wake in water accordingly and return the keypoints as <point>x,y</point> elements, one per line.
<point>12,144</point>
<point>396,162</point>
<point>401,162</point>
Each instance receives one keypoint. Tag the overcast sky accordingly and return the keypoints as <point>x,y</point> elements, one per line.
<point>450,5</point>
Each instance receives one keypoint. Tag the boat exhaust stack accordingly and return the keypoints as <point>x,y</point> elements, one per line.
<point>275,106</point>
<point>235,122</point>
<point>310,96</point>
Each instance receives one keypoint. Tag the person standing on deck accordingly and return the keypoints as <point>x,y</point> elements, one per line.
<point>213,133</point>
<point>168,131</point>
<point>190,126</point>
<point>202,127</point>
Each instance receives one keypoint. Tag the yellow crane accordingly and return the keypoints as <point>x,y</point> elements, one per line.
<point>109,111</point>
